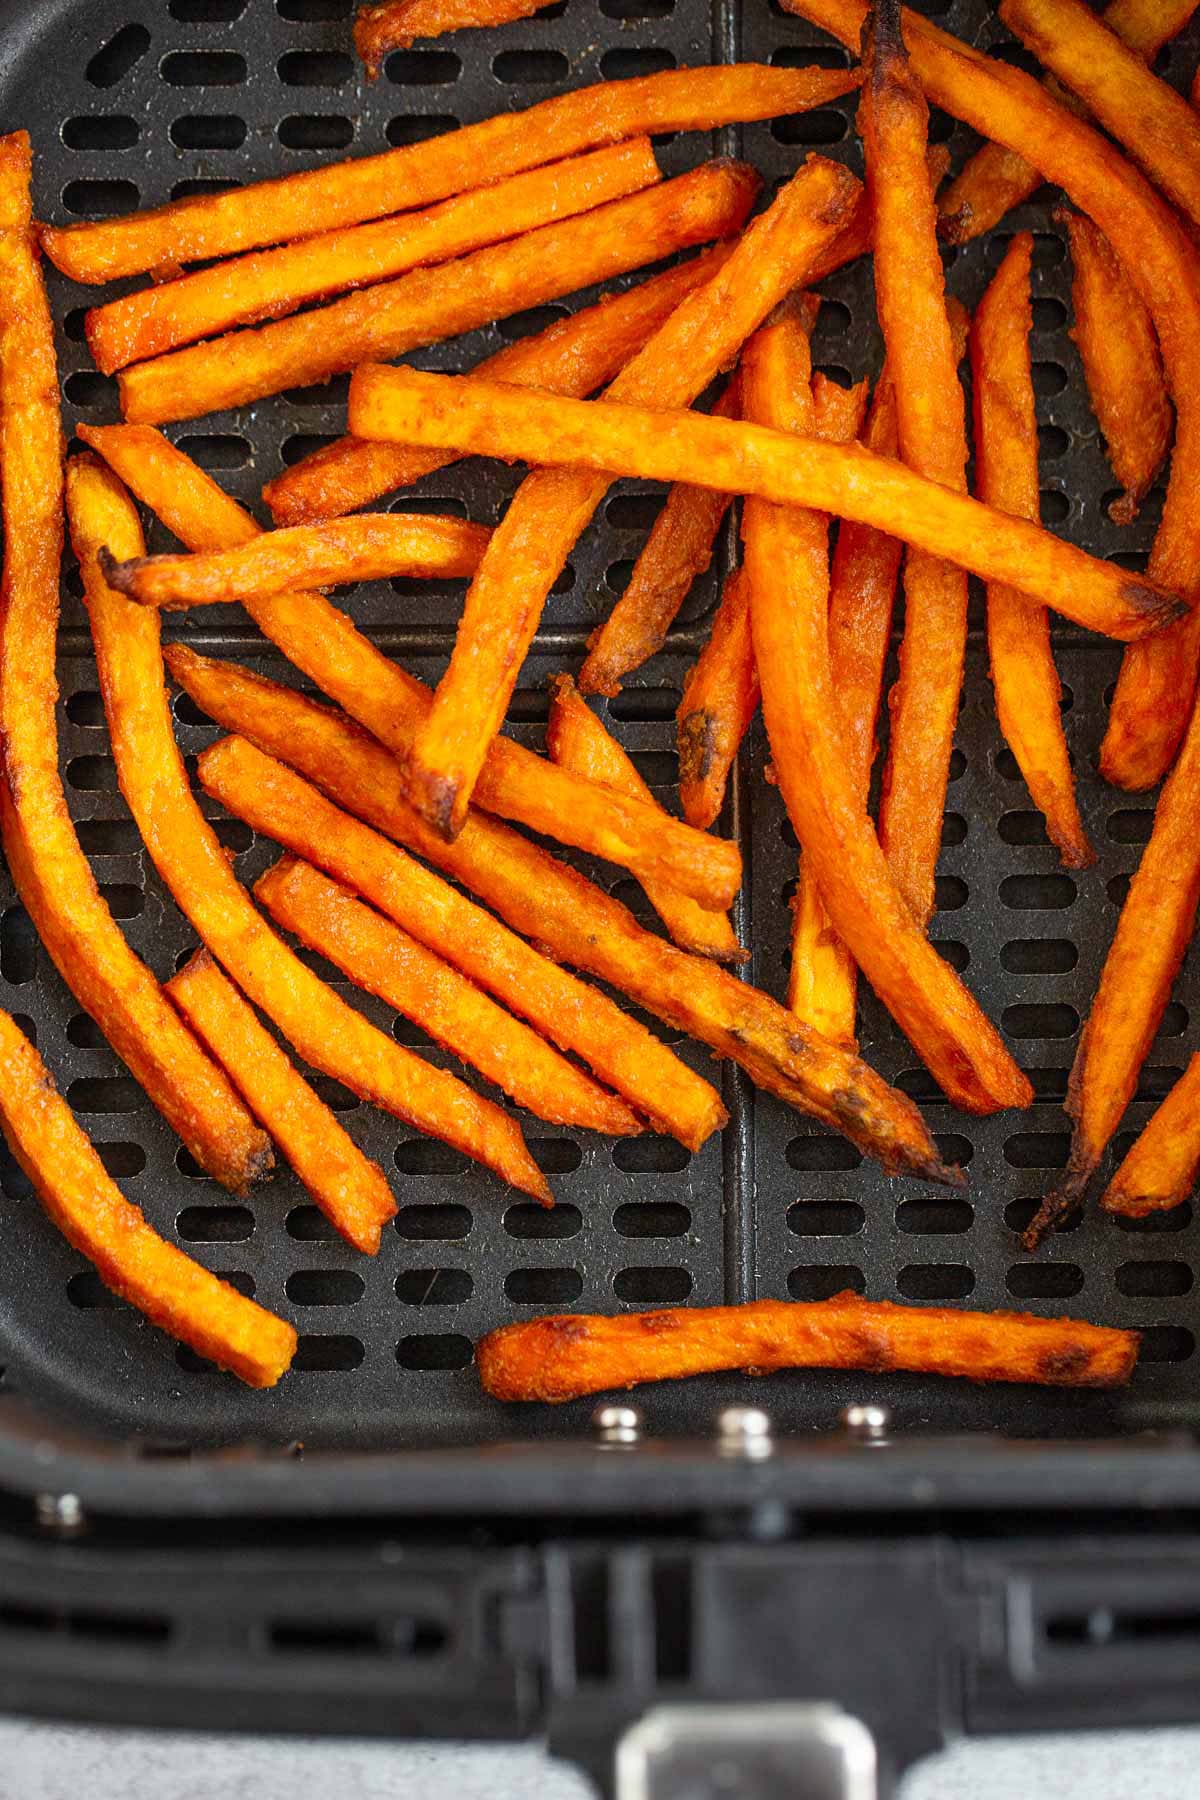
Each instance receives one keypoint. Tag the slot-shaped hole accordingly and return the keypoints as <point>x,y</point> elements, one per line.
<point>650,1155</point>
<point>812,1154</point>
<point>315,68</point>
<point>633,512</point>
<point>940,1216</point>
<point>1177,1219</point>
<point>324,1287</point>
<point>645,704</point>
<point>821,1281</point>
<point>1174,1020</point>
<point>327,1637</point>
<point>86,1291</point>
<point>124,900</point>
<point>328,1354</point>
<point>96,199</point>
<point>1049,378</point>
<point>617,574</point>
<point>217,449</point>
<point>118,57</point>
<point>529,706</point>
<point>1117,889</point>
<point>1024,827</point>
<point>628,62</point>
<point>1020,1214</point>
<point>309,12</point>
<point>1050,315</point>
<point>336,1097</point>
<point>1034,893</point>
<point>935,1281</point>
<point>123,1161</point>
<point>1166,1343</point>
<point>1054,506</point>
<point>1039,956</point>
<point>525,1220</point>
<point>1154,1280</point>
<point>425,1156</point>
<point>423,68</point>
<point>85,1034</point>
<point>651,1219</point>
<point>950,893</point>
<point>92,774</point>
<point>106,1094</point>
<point>108,837</point>
<point>1037,1149</point>
<point>543,1287</point>
<point>826,1218</point>
<point>535,68</point>
<point>434,1287</point>
<point>86,1622</point>
<point>203,68</point>
<point>437,1223</point>
<point>207,12</point>
<point>418,128</point>
<point>87,388</point>
<point>629,10</point>
<point>1044,1280</point>
<point>953,952</point>
<point>531,321</point>
<point>641,1287</point>
<point>101,131</point>
<point>86,707</point>
<point>209,131</point>
<point>824,125</point>
<point>303,443</point>
<point>228,1224</point>
<point>308,1225</point>
<point>313,131</point>
<point>204,184</point>
<point>1130,824</point>
<point>1030,1020</point>
<point>18,947</point>
<point>334,392</point>
<point>557,1156</point>
<point>657,768</point>
<point>435,1350</point>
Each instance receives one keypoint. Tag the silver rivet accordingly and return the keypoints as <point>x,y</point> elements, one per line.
<point>869,1424</point>
<point>62,1514</point>
<point>744,1431</point>
<point>617,1424</point>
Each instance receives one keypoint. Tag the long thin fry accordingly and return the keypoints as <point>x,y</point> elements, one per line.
<point>378,956</point>
<point>556,1359</point>
<point>497,420</point>
<point>576,739</point>
<point>505,600</point>
<point>84,1202</point>
<point>1160,1168</point>
<point>270,283</point>
<point>349,1188</point>
<point>1026,681</point>
<point>296,206</point>
<point>280,804</point>
<point>720,698</point>
<point>51,872</point>
<point>394,24</point>
<point>540,896</point>
<point>428,305</point>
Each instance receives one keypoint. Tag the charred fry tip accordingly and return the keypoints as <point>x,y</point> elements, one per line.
<point>1059,1205</point>
<point>1152,603</point>
<point>1124,509</point>
<point>435,797</point>
<point>697,745</point>
<point>883,41</point>
<point>117,574</point>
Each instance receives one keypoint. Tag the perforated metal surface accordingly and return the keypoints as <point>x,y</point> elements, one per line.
<point>136,101</point>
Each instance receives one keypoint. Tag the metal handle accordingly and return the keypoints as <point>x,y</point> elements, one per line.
<point>769,1752</point>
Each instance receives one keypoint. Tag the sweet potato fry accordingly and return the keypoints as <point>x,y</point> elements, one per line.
<point>328,647</point>
<point>391,25</point>
<point>367,548</point>
<point>497,420</point>
<point>280,804</point>
<point>296,206</point>
<point>838,412</point>
<point>270,283</point>
<point>427,305</point>
<point>562,1358</point>
<point>552,506</point>
<point>378,956</point>
<point>720,698</point>
<point>326,1032</point>
<point>1027,687</point>
<point>89,1209</point>
<point>677,551</point>
<point>787,575</point>
<point>573,356</point>
<point>51,872</point>
<point>1121,364</point>
<point>1160,1167</point>
<point>571,917</point>
<point>576,739</point>
<point>350,1189</point>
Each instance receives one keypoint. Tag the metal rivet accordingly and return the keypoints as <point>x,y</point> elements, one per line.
<point>744,1431</point>
<point>617,1424</point>
<point>62,1514</point>
<point>867,1423</point>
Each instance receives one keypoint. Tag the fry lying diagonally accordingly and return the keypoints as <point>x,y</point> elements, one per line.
<point>719,700</point>
<point>1160,1168</point>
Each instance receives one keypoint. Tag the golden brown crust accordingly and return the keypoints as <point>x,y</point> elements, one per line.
<point>720,698</point>
<point>395,24</point>
<point>1159,1170</point>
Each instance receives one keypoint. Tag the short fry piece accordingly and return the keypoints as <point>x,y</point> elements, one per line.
<point>720,698</point>
<point>1160,1167</point>
<point>394,24</point>
<point>576,739</point>
<point>378,956</point>
<point>428,305</point>
<point>562,1358</point>
<point>350,1189</point>
<point>270,283</point>
<point>1027,687</point>
<point>497,420</point>
<point>80,1197</point>
<point>1121,364</point>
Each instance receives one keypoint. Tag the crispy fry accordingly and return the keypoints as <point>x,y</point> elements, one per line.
<point>378,956</point>
<point>677,551</point>
<point>787,575</point>
<point>576,739</point>
<point>296,206</point>
<point>573,356</point>
<point>505,600</point>
<point>367,548</point>
<point>80,1197</point>
<point>498,420</point>
<point>350,1189</point>
<point>562,1358</point>
<point>324,643</point>
<point>427,305</point>
<point>1027,687</point>
<point>394,24</point>
<point>278,803</point>
<point>1160,1167</point>
<point>270,283</point>
<point>325,1031</point>
<point>570,916</point>
<point>51,872</point>
<point>838,411</point>
<point>1121,364</point>
<point>720,698</point>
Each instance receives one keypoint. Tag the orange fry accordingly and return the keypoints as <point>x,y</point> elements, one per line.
<point>428,305</point>
<point>838,412</point>
<point>89,1209</point>
<point>720,698</point>
<point>562,1358</point>
<point>1160,1167</point>
<point>576,739</point>
<point>1026,681</point>
<point>395,24</point>
<point>350,1189</point>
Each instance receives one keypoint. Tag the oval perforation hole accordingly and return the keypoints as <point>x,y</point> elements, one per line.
<point>650,1155</point>
<point>118,57</point>
<point>92,199</point>
<point>1037,1149</point>
<point>1165,1343</point>
<point>108,837</point>
<point>217,449</point>
<point>101,131</point>
<point>1044,1280</point>
<point>1154,1280</point>
<point>1130,824</point>
<point>434,1287</point>
<point>18,947</point>
<point>1177,1219</point>
<point>651,1219</point>
<point>315,68</point>
<point>525,1220</point>
<point>941,1216</point>
<point>207,12</point>
<point>209,131</point>
<point>1038,956</point>
<point>303,443</point>
<point>308,1225</point>
<point>824,125</point>
<point>324,1287</point>
<point>810,1154</point>
<point>935,1281</point>
<point>92,774</point>
<point>1020,1214</point>
<point>203,68</point>
<point>633,512</point>
<point>531,321</point>
<point>626,63</point>
<point>821,1281</point>
<point>215,1224</point>
<point>1033,893</point>
<point>312,131</point>
<point>950,893</point>
<point>122,1161</point>
<point>645,704</point>
<point>328,1354</point>
<point>106,1094</point>
<point>84,1033</point>
<point>86,1291</point>
<point>423,68</point>
<point>826,1218</point>
<point>1031,1021</point>
<point>543,1287</point>
<point>436,1223</point>
<point>431,1351</point>
<point>644,1286</point>
<point>336,1097</point>
<point>425,1156</point>
<point>87,388</point>
<point>418,128</point>
<point>529,706</point>
<point>205,184</point>
<point>535,68</point>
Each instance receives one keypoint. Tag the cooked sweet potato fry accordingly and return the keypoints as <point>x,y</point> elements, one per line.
<point>367,548</point>
<point>327,1033</point>
<point>89,1209</point>
<point>427,305</point>
<point>323,642</point>
<point>394,24</point>
<point>1160,1167</point>
<point>572,918</point>
<point>552,506</point>
<point>677,551</point>
<point>572,356</point>
<point>563,1358</point>
<point>380,957</point>
<point>296,206</point>
<point>838,412</point>
<point>497,420</point>
<point>270,283</point>
<point>350,1189</point>
<point>1027,687</point>
<point>787,575</point>
<point>576,739</point>
<point>1121,364</point>
<point>51,872</point>
<point>279,804</point>
<point>720,698</point>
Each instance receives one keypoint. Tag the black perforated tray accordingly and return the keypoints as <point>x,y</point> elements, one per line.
<point>138,101</point>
